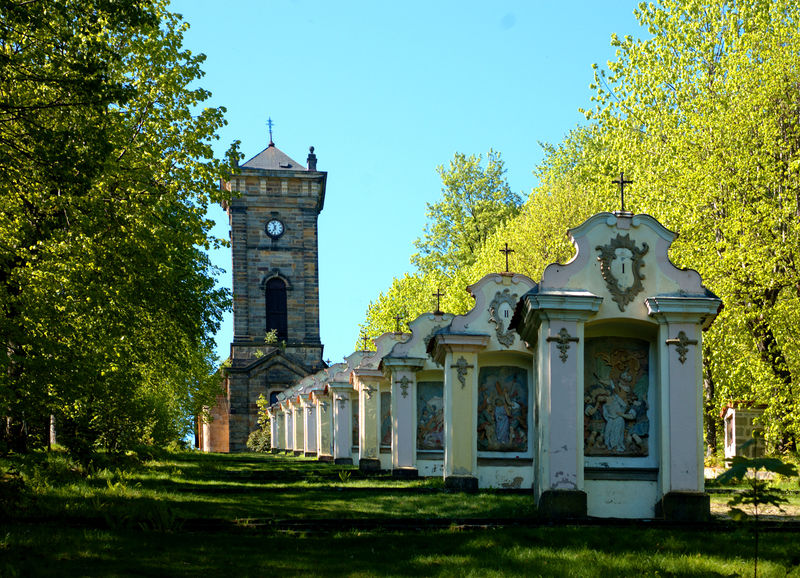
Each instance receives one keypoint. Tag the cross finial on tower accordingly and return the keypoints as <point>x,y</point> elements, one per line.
<point>507,251</point>
<point>438,296</point>
<point>622,182</point>
<point>270,124</point>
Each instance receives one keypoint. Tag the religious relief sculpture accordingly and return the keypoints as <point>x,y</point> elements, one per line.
<point>620,264</point>
<point>430,416</point>
<point>503,409</point>
<point>616,384</point>
<point>498,314</point>
<point>386,419</point>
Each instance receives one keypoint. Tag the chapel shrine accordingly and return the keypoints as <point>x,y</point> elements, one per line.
<point>584,387</point>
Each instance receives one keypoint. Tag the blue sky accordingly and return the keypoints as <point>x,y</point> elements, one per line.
<point>386,92</point>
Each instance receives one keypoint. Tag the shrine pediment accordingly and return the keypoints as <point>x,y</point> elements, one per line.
<point>423,328</point>
<point>623,259</point>
<point>496,296</point>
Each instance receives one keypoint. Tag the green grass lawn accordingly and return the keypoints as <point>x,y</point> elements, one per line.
<point>185,513</point>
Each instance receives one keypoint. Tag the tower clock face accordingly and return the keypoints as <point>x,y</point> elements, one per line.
<point>274,228</point>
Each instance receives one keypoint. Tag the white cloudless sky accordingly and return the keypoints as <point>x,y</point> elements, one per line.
<point>386,92</point>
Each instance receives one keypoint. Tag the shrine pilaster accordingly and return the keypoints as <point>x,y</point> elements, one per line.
<point>323,414</point>
<point>342,414</point>
<point>458,354</point>
<point>680,349</point>
<point>367,384</point>
<point>402,372</point>
<point>309,428</point>
<point>554,325</point>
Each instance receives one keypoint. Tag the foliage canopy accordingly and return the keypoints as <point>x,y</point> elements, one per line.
<point>703,113</point>
<point>107,300</point>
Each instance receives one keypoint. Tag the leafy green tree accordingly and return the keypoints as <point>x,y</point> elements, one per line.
<point>476,199</point>
<point>260,440</point>
<point>571,189</point>
<point>703,114</point>
<point>107,300</point>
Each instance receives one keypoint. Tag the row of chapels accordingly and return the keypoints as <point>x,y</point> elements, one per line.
<point>584,387</point>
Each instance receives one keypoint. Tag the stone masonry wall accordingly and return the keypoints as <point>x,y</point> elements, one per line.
<point>293,197</point>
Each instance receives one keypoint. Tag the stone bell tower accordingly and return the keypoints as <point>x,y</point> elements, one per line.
<point>273,219</point>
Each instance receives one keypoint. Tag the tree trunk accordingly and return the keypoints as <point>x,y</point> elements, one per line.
<point>709,411</point>
<point>771,353</point>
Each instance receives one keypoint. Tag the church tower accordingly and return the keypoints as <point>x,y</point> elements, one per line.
<point>273,218</point>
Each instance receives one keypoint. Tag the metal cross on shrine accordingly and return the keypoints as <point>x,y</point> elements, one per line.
<point>270,124</point>
<point>507,251</point>
<point>622,182</point>
<point>397,319</point>
<point>364,339</point>
<point>438,296</point>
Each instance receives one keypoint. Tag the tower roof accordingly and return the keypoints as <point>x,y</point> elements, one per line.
<point>272,158</point>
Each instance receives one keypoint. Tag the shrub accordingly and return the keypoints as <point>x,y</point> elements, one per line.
<point>258,441</point>
<point>12,490</point>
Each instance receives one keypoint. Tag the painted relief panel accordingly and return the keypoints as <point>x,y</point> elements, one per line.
<point>503,409</point>
<point>616,384</point>
<point>430,415</point>
<point>386,419</point>
<point>354,422</point>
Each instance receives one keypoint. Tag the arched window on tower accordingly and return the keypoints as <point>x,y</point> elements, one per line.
<point>276,307</point>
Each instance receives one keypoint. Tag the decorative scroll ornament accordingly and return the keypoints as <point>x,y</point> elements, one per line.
<point>563,340</point>
<point>369,390</point>
<point>341,403</point>
<point>620,264</point>
<point>680,345</point>
<point>404,385</point>
<point>324,406</point>
<point>504,335</point>
<point>461,366</point>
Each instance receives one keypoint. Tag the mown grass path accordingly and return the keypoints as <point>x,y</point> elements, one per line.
<point>246,515</point>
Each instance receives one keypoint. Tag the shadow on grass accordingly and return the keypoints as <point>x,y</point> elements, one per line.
<point>36,550</point>
<point>146,519</point>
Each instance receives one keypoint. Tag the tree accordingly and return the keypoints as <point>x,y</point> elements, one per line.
<point>476,199</point>
<point>570,190</point>
<point>703,115</point>
<point>107,301</point>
